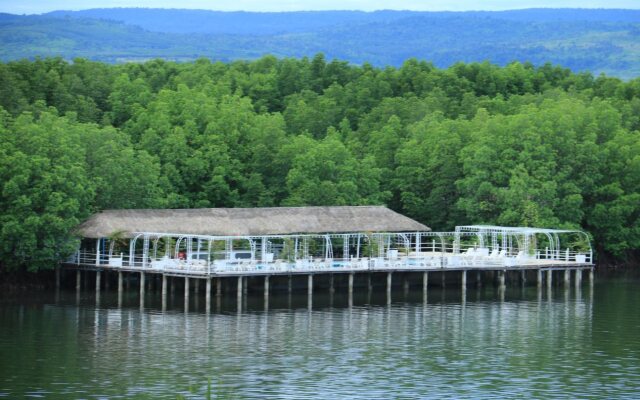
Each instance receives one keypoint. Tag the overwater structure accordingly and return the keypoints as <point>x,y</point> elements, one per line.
<point>219,243</point>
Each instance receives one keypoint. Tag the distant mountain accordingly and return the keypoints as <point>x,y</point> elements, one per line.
<point>255,23</point>
<point>593,40</point>
<point>234,23</point>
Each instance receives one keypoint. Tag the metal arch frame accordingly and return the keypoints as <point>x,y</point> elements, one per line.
<point>553,235</point>
<point>487,236</point>
<point>132,248</point>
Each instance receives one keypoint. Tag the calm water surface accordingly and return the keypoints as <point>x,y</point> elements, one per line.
<point>523,343</point>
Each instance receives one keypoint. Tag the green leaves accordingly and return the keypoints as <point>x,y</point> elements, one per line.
<point>55,172</point>
<point>326,173</point>
<point>474,143</point>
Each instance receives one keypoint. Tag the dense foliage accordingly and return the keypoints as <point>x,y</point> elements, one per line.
<point>474,143</point>
<point>596,40</point>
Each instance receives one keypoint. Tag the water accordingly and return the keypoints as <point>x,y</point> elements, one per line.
<point>522,343</point>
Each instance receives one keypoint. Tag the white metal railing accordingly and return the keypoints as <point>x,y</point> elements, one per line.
<point>470,257</point>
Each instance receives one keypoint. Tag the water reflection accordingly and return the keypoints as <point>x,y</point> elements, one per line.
<point>473,343</point>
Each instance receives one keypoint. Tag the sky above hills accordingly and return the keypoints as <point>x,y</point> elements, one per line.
<point>42,6</point>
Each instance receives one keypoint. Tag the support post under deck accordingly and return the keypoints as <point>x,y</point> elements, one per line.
<point>239,293</point>
<point>351,283</point>
<point>142,284</point>
<point>186,289</point>
<point>310,292</point>
<point>120,283</point>
<point>578,278</point>
<point>501,279</point>
<point>567,276</point>
<point>539,277</point>
<point>98,281</point>
<point>142,288</point>
<point>266,292</point>
<point>164,292</point>
<point>207,295</point>
<point>425,284</point>
<point>389,282</point>
<point>464,279</point>
<point>549,278</point>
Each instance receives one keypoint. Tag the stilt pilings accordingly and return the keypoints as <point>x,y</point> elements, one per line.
<point>425,284</point>
<point>463,279</point>
<point>98,283</point>
<point>501,279</point>
<point>578,278</point>
<point>164,292</point>
<point>239,293</point>
<point>539,278</point>
<point>389,282</point>
<point>266,292</point>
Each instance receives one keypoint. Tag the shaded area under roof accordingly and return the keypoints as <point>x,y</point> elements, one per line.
<point>248,221</point>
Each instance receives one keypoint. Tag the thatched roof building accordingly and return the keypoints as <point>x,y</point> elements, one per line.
<point>248,221</point>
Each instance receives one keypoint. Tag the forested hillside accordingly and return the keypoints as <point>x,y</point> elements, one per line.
<point>599,41</point>
<point>474,143</point>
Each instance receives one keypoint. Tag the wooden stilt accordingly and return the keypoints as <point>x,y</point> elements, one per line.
<point>266,292</point>
<point>578,278</point>
<point>425,284</point>
<point>164,292</point>
<point>239,293</point>
<point>142,276</point>
<point>351,283</point>
<point>98,283</point>
<point>186,289</point>
<point>207,295</point>
<point>389,282</point>
<point>539,275</point>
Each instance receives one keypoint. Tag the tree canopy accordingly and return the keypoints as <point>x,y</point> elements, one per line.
<point>473,143</point>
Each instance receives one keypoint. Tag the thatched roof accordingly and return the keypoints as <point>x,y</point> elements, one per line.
<point>248,221</point>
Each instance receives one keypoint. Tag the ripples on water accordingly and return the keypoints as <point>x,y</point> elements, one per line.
<point>531,344</point>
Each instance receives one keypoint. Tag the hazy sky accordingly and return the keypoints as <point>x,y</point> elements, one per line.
<point>40,6</point>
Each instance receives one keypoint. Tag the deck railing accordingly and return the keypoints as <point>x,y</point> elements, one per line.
<point>470,258</point>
